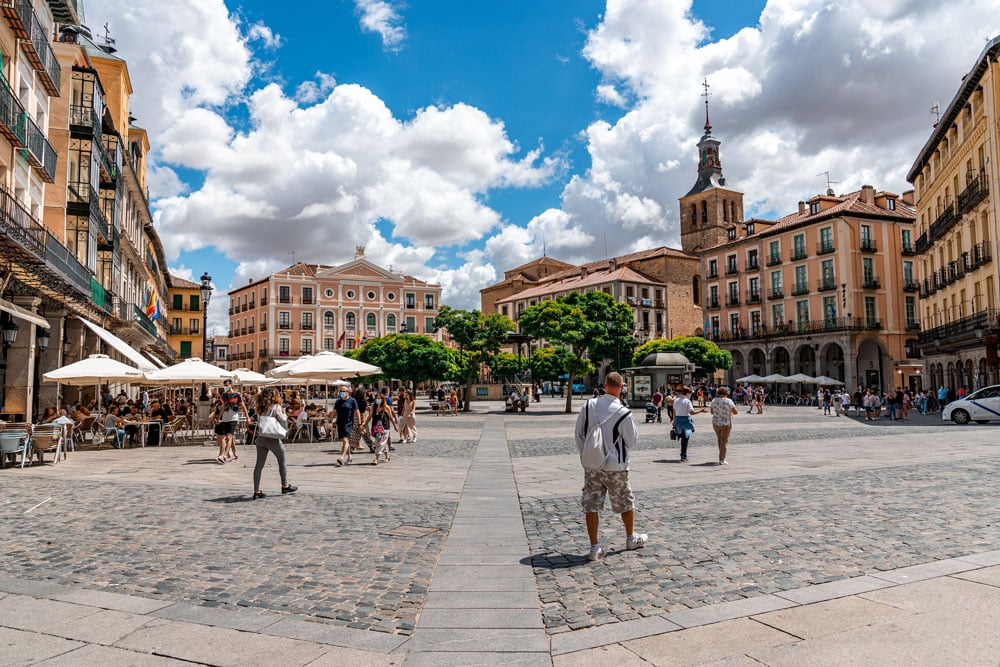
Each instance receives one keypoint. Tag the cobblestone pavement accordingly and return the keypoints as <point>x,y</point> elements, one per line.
<point>456,445</point>
<point>361,562</point>
<point>722,542</point>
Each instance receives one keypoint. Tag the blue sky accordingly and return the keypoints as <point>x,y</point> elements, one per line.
<point>454,139</point>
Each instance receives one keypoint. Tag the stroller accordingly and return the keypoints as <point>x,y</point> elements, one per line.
<point>650,412</point>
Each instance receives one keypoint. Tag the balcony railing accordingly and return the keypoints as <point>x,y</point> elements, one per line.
<point>263,353</point>
<point>712,275</point>
<point>40,153</point>
<point>712,304</point>
<point>773,260</point>
<point>284,299</point>
<point>20,232</point>
<point>870,283</point>
<point>777,293</point>
<point>307,326</point>
<point>976,191</point>
<point>826,284</point>
<point>799,253</point>
<point>753,297</point>
<point>913,326</point>
<point>66,12</point>
<point>911,285</point>
<point>923,243</point>
<point>263,301</point>
<point>753,264</point>
<point>981,254</point>
<point>62,260</point>
<point>965,329</point>
<point>907,248</point>
<point>943,222</point>
<point>285,326</point>
<point>732,270</point>
<point>263,327</point>
<point>800,289</point>
<point>830,325</point>
<point>868,245</point>
<point>733,300</point>
<point>824,247</point>
<point>35,41</point>
<point>13,120</point>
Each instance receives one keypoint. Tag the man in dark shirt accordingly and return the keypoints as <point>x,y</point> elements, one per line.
<point>348,416</point>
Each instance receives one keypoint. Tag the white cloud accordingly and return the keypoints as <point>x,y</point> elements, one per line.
<point>310,92</point>
<point>382,18</point>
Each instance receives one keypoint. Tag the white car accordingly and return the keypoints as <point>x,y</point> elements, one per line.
<point>980,407</point>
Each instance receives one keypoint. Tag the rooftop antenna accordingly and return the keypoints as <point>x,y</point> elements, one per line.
<point>829,183</point>
<point>605,244</point>
<point>706,95</point>
<point>292,253</point>
<point>543,247</point>
<point>936,110</point>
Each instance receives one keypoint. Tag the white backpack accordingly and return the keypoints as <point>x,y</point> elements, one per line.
<point>594,454</point>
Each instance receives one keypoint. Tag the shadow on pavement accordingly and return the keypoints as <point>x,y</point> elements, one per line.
<point>667,461</point>
<point>199,462</point>
<point>230,499</point>
<point>555,561</point>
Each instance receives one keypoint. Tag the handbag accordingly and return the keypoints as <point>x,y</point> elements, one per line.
<point>673,433</point>
<point>270,427</point>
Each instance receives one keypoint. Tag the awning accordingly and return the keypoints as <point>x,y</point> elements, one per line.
<point>152,357</point>
<point>23,313</point>
<point>121,346</point>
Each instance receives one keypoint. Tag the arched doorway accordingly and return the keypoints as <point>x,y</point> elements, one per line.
<point>782,362</point>
<point>738,369</point>
<point>832,364</point>
<point>969,376</point>
<point>264,367</point>
<point>982,378</point>
<point>757,365</point>
<point>806,360</point>
<point>871,365</point>
<point>951,379</point>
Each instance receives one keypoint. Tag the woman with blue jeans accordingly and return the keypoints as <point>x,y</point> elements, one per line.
<point>681,423</point>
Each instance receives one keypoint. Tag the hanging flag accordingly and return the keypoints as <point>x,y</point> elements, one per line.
<point>150,309</point>
<point>158,313</point>
<point>340,341</point>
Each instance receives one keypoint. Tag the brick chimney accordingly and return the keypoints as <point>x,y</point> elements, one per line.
<point>802,208</point>
<point>907,197</point>
<point>868,194</point>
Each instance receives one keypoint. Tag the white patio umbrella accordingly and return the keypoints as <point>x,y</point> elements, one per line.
<point>96,370</point>
<point>800,377</point>
<point>189,371</point>
<point>774,377</point>
<point>249,377</point>
<point>750,378</point>
<point>825,380</point>
<point>325,366</point>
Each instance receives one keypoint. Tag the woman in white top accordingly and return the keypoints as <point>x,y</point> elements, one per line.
<point>681,422</point>
<point>723,410</point>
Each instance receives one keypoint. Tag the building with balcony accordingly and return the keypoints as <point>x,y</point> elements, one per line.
<point>78,253</point>
<point>661,285</point>
<point>828,290</point>
<point>957,223</point>
<point>311,307</point>
<point>185,330</point>
<point>218,352</point>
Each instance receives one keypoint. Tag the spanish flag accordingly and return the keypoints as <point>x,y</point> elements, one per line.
<point>151,304</point>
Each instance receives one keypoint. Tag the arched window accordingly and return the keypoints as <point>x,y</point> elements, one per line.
<point>370,320</point>
<point>696,290</point>
<point>390,322</point>
<point>732,212</point>
<point>725,211</point>
<point>328,319</point>
<point>704,211</point>
<point>694,214</point>
<point>350,320</point>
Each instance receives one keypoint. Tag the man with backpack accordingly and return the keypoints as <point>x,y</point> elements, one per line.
<point>604,433</point>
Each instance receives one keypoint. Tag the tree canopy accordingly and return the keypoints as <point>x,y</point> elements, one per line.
<point>479,337</point>
<point>703,353</point>
<point>409,357</point>
<point>586,324</point>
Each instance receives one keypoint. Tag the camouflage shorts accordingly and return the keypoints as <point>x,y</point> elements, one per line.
<point>598,483</point>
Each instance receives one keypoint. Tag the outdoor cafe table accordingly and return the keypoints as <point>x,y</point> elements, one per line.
<point>144,428</point>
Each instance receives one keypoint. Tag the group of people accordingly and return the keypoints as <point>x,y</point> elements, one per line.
<point>122,420</point>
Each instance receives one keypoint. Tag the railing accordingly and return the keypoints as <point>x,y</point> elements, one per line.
<point>113,150</point>
<point>251,330</point>
<point>773,260</point>
<point>829,325</point>
<point>140,318</point>
<point>923,243</point>
<point>263,353</point>
<point>307,326</point>
<point>252,305</point>
<point>753,264</point>
<point>60,258</point>
<point>873,325</point>
<point>870,283</point>
<point>976,191</point>
<point>943,222</point>
<point>913,326</point>
<point>263,301</point>
<point>800,289</point>
<point>263,326</point>
<point>868,245</point>
<point>25,25</point>
<point>981,254</point>
<point>907,248</point>
<point>753,297</point>
<point>824,247</point>
<point>17,224</point>
<point>40,153</point>
<point>243,331</point>
<point>799,253</point>
<point>85,116</point>
<point>712,303</point>
<point>776,294</point>
<point>732,270</point>
<point>285,326</point>
<point>826,284</point>
<point>911,285</point>
<point>307,301</point>
<point>12,116</point>
<point>965,327</point>
<point>284,299</point>
<point>712,275</point>
<point>733,300</point>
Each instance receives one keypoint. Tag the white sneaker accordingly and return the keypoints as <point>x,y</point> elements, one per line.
<point>724,463</point>
<point>596,553</point>
<point>636,541</point>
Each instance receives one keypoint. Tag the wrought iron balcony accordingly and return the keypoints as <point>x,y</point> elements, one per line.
<point>799,253</point>
<point>711,275</point>
<point>923,243</point>
<point>712,304</point>
<point>945,221</point>
<point>22,237</point>
<point>753,297</point>
<point>913,326</point>
<point>773,260</point>
<point>733,300</point>
<point>981,254</point>
<point>873,325</point>
<point>870,283</point>
<point>59,258</point>
<point>285,326</point>
<point>40,153</point>
<point>907,249</point>
<point>732,270</point>
<point>825,247</point>
<point>35,42</point>
<point>775,294</point>
<point>67,12</point>
<point>868,245</point>
<point>753,263</point>
<point>976,191</point>
<point>13,120</point>
<point>911,285</point>
<point>826,284</point>
<point>959,331</point>
<point>800,289</point>
<point>829,325</point>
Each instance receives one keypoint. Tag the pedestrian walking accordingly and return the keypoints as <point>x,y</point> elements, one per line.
<point>227,416</point>
<point>378,420</point>
<point>606,418</point>
<point>723,409</point>
<point>682,424</point>
<point>408,419</point>
<point>268,404</point>
<point>348,417</point>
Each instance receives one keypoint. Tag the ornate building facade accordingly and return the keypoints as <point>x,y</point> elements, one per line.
<point>310,307</point>
<point>957,222</point>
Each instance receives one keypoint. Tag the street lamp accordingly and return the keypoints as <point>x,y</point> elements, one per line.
<point>206,296</point>
<point>43,337</point>
<point>10,330</point>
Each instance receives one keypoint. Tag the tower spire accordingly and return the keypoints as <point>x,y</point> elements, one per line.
<point>706,95</point>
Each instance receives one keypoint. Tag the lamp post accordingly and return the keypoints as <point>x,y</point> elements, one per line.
<point>206,296</point>
<point>42,338</point>
<point>9,331</point>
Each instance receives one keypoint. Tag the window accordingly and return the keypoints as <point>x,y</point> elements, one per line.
<point>411,324</point>
<point>814,208</point>
<point>754,321</point>
<point>329,344</point>
<point>868,270</point>
<point>731,234</point>
<point>826,270</point>
<point>370,321</point>
<point>284,294</point>
<point>284,319</point>
<point>193,324</point>
<point>802,312</point>
<point>775,281</point>
<point>890,203</point>
<point>349,294</point>
<point>731,266</point>
<point>284,346</point>
<point>734,291</point>
<point>175,325</point>
<point>799,246</point>
<point>911,310</point>
<point>695,292</point>
<point>713,296</point>
<point>801,278</point>
<point>754,288</point>
<point>390,323</point>
<point>866,234</point>
<point>750,228</point>
<point>713,268</point>
<point>826,239</point>
<point>428,325</point>
<point>391,296</point>
<point>178,301</point>
<point>429,301</point>
<point>350,320</point>
<point>752,262</point>
<point>778,315</point>
<point>185,349</point>
<point>328,293</point>
<point>715,326</point>
<point>871,316</point>
<point>907,273</point>
<point>830,311</point>
<point>307,321</point>
<point>307,346</point>
<point>371,295</point>
<point>307,295</point>
<point>734,323</point>
<point>328,319</point>
<point>411,300</point>
<point>774,250</point>
<point>504,310</point>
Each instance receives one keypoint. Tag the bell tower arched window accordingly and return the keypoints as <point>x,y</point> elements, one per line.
<point>696,290</point>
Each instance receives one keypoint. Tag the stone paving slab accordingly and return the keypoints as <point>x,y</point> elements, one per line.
<point>481,600</point>
<point>481,618</point>
<point>107,656</point>
<point>480,641</point>
<point>986,558</point>
<point>352,657</point>
<point>830,617</point>
<point>218,646</point>
<point>22,612</point>
<point>247,621</point>
<point>707,643</point>
<point>988,575</point>
<point>105,627</point>
<point>611,634</point>
<point>724,611</point>
<point>834,589</point>
<point>931,570</point>
<point>22,647</point>
<point>116,601</point>
<point>614,654</point>
<point>472,659</point>
<point>325,633</point>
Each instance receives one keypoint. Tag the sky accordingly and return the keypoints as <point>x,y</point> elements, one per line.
<point>455,139</point>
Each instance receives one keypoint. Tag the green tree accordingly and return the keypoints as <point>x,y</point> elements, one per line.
<point>704,354</point>
<point>549,362</point>
<point>479,337</point>
<point>588,325</point>
<point>506,365</point>
<point>408,357</point>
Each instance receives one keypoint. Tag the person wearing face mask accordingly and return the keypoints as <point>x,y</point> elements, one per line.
<point>380,417</point>
<point>348,416</point>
